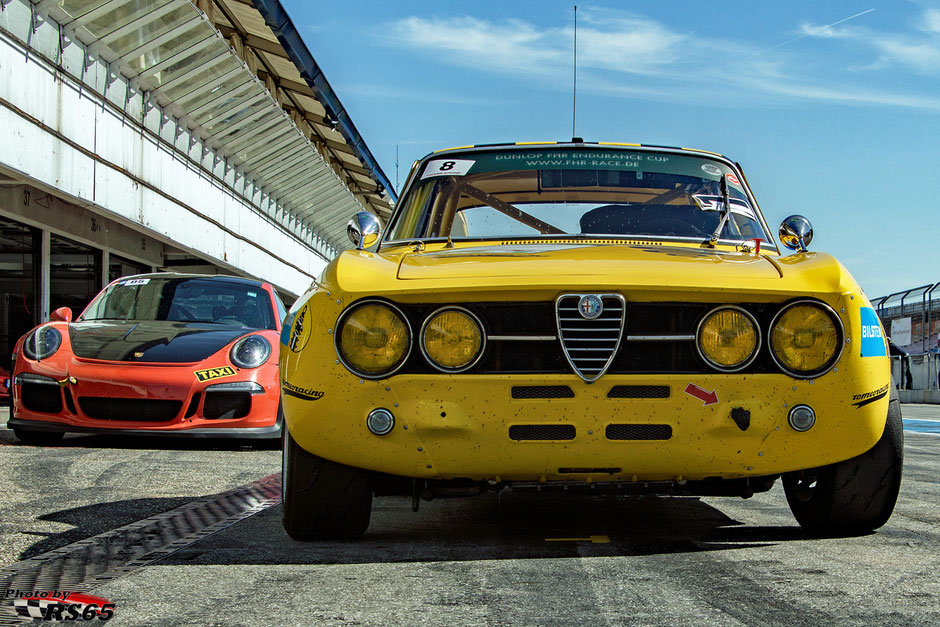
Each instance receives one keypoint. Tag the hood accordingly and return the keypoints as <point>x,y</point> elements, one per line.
<point>151,341</point>
<point>637,265</point>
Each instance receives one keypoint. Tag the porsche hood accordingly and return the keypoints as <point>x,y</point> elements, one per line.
<point>149,341</point>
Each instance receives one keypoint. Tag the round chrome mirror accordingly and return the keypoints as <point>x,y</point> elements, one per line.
<point>364,230</point>
<point>796,232</point>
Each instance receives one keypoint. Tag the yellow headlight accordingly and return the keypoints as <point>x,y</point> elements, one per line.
<point>805,339</point>
<point>374,339</point>
<point>452,339</point>
<point>728,338</point>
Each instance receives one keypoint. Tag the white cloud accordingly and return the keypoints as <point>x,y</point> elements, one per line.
<point>639,57</point>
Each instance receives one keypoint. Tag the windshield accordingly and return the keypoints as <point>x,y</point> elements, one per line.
<point>184,300</point>
<point>565,191</point>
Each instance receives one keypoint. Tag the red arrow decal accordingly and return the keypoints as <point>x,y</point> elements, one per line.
<point>709,398</point>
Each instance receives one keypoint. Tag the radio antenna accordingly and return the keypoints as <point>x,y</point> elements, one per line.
<point>574,95</point>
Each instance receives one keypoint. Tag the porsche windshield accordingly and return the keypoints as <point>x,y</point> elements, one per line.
<point>184,300</point>
<point>574,191</point>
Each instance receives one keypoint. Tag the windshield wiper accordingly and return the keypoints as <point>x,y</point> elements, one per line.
<point>725,214</point>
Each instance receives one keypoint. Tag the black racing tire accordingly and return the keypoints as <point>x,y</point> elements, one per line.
<point>852,497</point>
<point>28,436</point>
<point>322,500</point>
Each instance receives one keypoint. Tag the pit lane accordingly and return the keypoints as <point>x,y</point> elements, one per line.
<point>642,560</point>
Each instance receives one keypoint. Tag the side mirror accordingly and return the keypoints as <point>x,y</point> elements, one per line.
<point>796,232</point>
<point>364,230</point>
<point>62,314</point>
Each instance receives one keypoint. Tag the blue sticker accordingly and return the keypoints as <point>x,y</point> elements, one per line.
<point>286,327</point>
<point>873,341</point>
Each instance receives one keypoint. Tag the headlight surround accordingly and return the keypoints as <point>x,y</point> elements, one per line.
<point>806,339</point>
<point>452,339</point>
<point>728,338</point>
<point>42,343</point>
<point>250,351</point>
<point>373,339</point>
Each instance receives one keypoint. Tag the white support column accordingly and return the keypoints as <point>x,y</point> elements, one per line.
<point>45,274</point>
<point>105,262</point>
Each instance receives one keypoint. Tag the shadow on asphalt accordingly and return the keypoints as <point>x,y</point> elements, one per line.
<point>481,528</point>
<point>146,442</point>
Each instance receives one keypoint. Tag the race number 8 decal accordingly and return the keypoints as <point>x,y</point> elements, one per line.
<point>447,167</point>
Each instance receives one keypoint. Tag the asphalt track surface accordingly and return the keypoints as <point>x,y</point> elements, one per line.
<point>188,532</point>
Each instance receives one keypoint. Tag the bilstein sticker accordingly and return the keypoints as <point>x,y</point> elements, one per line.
<point>215,373</point>
<point>300,330</point>
<point>296,391</point>
<point>870,397</point>
<point>873,342</point>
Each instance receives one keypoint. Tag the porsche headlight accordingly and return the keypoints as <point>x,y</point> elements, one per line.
<point>452,339</point>
<point>373,339</point>
<point>728,338</point>
<point>806,339</point>
<point>42,343</point>
<point>250,352</point>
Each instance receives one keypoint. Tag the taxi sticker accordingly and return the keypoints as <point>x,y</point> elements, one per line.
<point>215,373</point>
<point>135,282</point>
<point>447,167</point>
<point>873,341</point>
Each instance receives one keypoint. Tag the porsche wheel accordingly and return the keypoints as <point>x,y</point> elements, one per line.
<point>28,436</point>
<point>322,500</point>
<point>855,496</point>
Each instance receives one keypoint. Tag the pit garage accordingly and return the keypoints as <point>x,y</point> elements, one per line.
<point>141,135</point>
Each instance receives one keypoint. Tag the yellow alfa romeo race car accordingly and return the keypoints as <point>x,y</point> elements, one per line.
<point>585,317</point>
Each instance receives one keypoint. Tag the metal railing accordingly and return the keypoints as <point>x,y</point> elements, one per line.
<point>922,368</point>
<point>917,309</point>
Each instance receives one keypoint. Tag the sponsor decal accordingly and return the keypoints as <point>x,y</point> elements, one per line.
<point>708,398</point>
<point>215,373</point>
<point>135,282</point>
<point>300,330</point>
<point>873,341</point>
<point>732,179</point>
<point>870,397</point>
<point>59,605</point>
<point>296,391</point>
<point>711,168</point>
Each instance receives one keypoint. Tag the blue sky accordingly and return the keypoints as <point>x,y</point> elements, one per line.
<point>833,109</point>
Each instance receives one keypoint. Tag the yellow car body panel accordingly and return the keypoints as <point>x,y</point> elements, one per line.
<point>455,425</point>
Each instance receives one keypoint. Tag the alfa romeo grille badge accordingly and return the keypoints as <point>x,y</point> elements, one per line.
<point>590,306</point>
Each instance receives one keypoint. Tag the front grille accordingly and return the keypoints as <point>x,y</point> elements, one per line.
<point>226,405</point>
<point>590,344</point>
<point>541,391</point>
<point>639,391</point>
<point>135,409</point>
<point>523,338</point>
<point>41,397</point>
<point>542,432</point>
<point>638,432</point>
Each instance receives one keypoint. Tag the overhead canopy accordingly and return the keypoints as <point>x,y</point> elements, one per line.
<point>222,71</point>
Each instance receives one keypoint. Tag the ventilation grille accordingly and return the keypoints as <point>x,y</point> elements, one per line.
<point>590,345</point>
<point>639,391</point>
<point>541,432</point>
<point>137,409</point>
<point>542,391</point>
<point>639,432</point>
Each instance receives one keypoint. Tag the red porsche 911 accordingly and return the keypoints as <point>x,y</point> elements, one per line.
<point>157,353</point>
